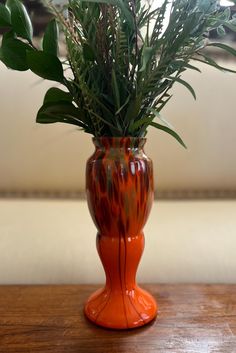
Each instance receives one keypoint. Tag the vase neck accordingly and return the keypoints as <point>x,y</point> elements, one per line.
<point>126,143</point>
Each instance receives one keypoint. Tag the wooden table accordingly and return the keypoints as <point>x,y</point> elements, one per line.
<point>43,319</point>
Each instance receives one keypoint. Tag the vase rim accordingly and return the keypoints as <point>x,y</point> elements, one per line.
<point>119,142</point>
<point>119,138</point>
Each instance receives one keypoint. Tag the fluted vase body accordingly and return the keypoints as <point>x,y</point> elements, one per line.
<point>119,184</point>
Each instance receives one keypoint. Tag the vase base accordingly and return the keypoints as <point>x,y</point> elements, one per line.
<point>118,309</point>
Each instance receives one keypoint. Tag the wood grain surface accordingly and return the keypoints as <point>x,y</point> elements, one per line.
<point>46,319</point>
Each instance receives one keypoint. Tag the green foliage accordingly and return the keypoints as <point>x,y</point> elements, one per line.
<point>124,60</point>
<point>13,53</point>
<point>50,39</point>
<point>20,20</point>
<point>55,95</point>
<point>45,65</point>
<point>62,112</point>
<point>5,16</point>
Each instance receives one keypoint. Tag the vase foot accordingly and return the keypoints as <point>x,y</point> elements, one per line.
<point>121,309</point>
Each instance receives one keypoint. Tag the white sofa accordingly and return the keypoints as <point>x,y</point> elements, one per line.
<point>53,241</point>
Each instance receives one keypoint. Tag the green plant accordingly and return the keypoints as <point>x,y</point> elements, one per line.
<point>122,59</point>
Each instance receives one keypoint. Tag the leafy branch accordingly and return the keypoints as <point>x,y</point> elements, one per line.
<point>123,57</point>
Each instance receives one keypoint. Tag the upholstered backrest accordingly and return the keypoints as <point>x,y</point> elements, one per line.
<point>52,158</point>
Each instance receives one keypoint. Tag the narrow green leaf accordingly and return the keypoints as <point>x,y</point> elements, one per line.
<point>55,95</point>
<point>50,39</point>
<point>106,122</point>
<point>147,121</point>
<point>133,110</point>
<point>5,16</point>
<point>209,61</point>
<point>20,20</point>
<point>144,121</point>
<point>221,31</point>
<point>97,99</point>
<point>125,10</point>
<point>224,47</point>
<point>88,53</point>
<point>189,66</point>
<point>227,14</point>
<point>158,115</point>
<point>115,89</point>
<point>184,83</point>
<point>13,54</point>
<point>124,105</point>
<point>109,2</point>
<point>146,57</point>
<point>169,131</point>
<point>231,25</point>
<point>164,102</point>
<point>207,6</point>
<point>45,65</point>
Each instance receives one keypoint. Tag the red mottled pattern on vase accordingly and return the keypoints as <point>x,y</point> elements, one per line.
<point>119,184</point>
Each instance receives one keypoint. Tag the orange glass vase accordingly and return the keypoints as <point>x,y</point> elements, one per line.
<point>119,184</point>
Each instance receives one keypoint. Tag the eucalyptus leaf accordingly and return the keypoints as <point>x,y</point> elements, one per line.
<point>9,35</point>
<point>51,118</point>
<point>60,112</point>
<point>13,53</point>
<point>5,16</point>
<point>20,19</point>
<point>50,39</point>
<point>60,107</point>
<point>45,65</point>
<point>55,95</point>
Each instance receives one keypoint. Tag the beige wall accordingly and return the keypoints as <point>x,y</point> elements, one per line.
<point>54,242</point>
<point>39,157</point>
